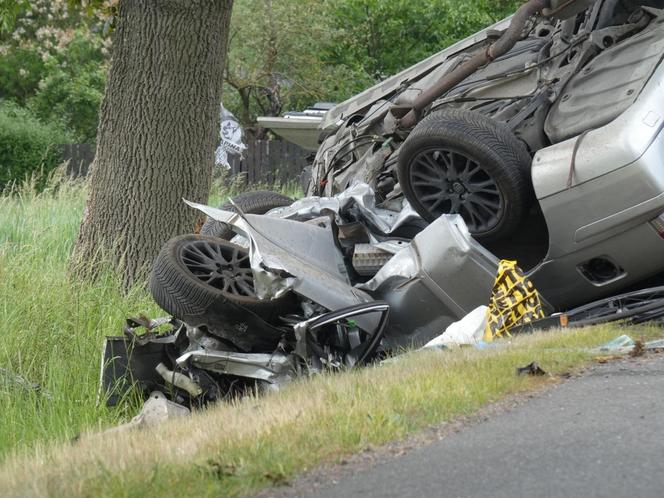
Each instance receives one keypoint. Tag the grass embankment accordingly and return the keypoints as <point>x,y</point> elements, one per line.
<point>51,328</point>
<point>233,449</point>
<point>51,334</point>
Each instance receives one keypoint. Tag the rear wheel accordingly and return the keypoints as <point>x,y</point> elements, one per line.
<point>462,162</point>
<point>258,202</point>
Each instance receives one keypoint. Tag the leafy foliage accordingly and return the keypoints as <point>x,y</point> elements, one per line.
<point>385,36</point>
<point>283,54</point>
<point>54,62</point>
<point>275,59</point>
<point>288,54</point>
<point>72,86</point>
<point>27,146</point>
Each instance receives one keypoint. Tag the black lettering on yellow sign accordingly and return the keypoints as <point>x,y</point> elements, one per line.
<point>514,301</point>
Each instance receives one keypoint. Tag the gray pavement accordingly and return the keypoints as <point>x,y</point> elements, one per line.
<point>600,435</point>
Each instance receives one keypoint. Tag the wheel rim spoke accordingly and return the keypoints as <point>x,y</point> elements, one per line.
<point>446,181</point>
<point>226,268</point>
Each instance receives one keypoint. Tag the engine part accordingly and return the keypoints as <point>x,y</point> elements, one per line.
<point>368,259</point>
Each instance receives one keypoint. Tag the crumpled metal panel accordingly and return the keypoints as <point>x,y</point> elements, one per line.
<point>360,197</point>
<point>443,275</point>
<point>276,368</point>
<point>291,255</point>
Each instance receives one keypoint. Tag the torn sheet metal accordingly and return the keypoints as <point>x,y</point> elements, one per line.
<point>290,255</point>
<point>429,289</point>
<point>276,368</point>
<point>358,203</point>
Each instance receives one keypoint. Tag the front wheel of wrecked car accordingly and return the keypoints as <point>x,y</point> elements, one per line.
<point>206,281</point>
<point>462,162</point>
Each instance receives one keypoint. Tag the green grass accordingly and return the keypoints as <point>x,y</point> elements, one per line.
<point>239,448</point>
<point>52,327</point>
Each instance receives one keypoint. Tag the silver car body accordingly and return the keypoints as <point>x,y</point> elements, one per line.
<point>592,124</point>
<point>617,189</point>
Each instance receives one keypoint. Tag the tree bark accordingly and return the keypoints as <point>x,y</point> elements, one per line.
<point>158,129</point>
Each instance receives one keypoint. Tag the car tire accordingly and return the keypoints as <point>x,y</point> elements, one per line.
<point>462,162</point>
<point>257,202</point>
<point>207,282</point>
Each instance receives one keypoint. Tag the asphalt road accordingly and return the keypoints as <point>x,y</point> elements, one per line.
<point>600,435</point>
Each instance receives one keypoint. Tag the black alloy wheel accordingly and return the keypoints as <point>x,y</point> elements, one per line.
<point>224,267</point>
<point>447,181</point>
<point>463,162</point>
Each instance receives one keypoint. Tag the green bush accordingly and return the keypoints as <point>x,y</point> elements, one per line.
<point>72,87</point>
<point>21,69</point>
<point>27,146</point>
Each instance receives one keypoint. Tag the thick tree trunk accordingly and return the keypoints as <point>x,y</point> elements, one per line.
<point>158,129</point>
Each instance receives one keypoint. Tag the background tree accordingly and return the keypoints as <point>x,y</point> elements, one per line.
<point>382,37</point>
<point>53,61</point>
<point>276,59</point>
<point>158,129</point>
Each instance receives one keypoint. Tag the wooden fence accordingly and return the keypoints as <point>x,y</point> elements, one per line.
<point>264,161</point>
<point>79,157</point>
<point>271,161</point>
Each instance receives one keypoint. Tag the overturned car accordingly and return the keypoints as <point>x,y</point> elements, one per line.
<point>537,139</point>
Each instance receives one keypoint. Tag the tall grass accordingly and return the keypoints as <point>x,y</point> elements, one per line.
<point>51,326</point>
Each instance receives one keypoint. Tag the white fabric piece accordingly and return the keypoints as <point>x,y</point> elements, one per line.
<point>231,139</point>
<point>468,330</point>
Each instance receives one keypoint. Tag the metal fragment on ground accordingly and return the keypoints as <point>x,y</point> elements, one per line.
<point>531,369</point>
<point>156,410</point>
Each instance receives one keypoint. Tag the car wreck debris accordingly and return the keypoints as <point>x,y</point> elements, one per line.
<point>531,369</point>
<point>642,306</point>
<point>156,410</point>
<point>538,141</point>
<point>577,93</point>
<point>467,331</point>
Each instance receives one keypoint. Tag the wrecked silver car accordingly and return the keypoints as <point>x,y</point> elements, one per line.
<point>285,298</point>
<point>547,141</point>
<point>537,139</point>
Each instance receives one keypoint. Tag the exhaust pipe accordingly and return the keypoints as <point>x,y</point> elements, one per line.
<point>500,47</point>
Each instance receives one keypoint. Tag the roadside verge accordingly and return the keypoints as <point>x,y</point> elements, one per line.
<point>240,448</point>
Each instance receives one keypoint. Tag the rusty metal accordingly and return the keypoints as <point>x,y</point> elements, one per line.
<point>495,50</point>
